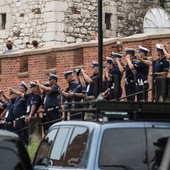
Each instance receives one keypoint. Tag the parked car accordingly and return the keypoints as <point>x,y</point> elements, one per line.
<point>94,146</point>
<point>13,154</point>
<point>165,163</point>
<point>118,144</point>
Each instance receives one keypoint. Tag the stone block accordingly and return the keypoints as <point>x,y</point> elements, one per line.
<point>22,25</point>
<point>56,6</point>
<point>59,27</point>
<point>3,34</point>
<point>60,36</point>
<point>49,16</point>
<point>18,41</point>
<point>70,39</point>
<point>79,40</point>
<point>61,6</point>
<point>51,27</point>
<point>91,8</point>
<point>49,36</point>
<point>59,16</point>
<point>83,30</point>
<point>50,6</point>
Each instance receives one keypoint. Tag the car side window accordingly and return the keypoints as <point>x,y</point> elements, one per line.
<point>60,146</point>
<point>123,148</point>
<point>157,140</point>
<point>43,152</point>
<point>69,147</point>
<point>75,155</point>
<point>9,160</point>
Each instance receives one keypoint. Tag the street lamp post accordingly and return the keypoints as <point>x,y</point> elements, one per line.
<point>100,44</point>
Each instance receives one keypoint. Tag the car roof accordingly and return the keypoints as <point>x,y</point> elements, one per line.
<point>4,134</point>
<point>111,124</point>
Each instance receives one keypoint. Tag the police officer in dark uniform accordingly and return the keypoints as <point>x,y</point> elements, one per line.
<point>73,93</point>
<point>9,116</point>
<point>93,81</point>
<point>114,76</point>
<point>41,110</point>
<point>130,86</point>
<point>52,98</point>
<point>6,116</point>
<point>2,112</point>
<point>161,68</point>
<point>141,74</point>
<point>33,101</point>
<point>19,111</point>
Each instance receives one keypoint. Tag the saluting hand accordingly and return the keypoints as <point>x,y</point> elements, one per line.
<point>162,46</point>
<point>117,60</point>
<point>61,90</point>
<point>1,92</point>
<point>127,57</point>
<point>37,82</point>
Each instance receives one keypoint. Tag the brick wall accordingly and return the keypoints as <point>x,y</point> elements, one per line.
<point>36,64</point>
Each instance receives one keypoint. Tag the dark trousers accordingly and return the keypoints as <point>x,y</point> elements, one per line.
<point>2,126</point>
<point>9,126</point>
<point>45,126</point>
<point>52,115</point>
<point>144,95</point>
<point>23,133</point>
<point>130,88</point>
<point>115,94</point>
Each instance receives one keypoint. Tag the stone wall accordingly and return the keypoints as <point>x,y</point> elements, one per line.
<point>60,22</point>
<point>130,15</point>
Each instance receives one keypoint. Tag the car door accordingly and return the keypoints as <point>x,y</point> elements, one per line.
<point>41,159</point>
<point>157,138</point>
<point>67,150</point>
<point>165,163</point>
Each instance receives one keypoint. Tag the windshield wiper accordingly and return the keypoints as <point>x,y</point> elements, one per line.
<point>118,166</point>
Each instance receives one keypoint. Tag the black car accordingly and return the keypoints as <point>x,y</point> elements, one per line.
<point>13,154</point>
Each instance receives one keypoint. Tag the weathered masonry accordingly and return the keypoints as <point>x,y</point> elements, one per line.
<point>60,22</point>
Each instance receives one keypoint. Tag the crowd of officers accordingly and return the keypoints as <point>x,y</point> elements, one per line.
<point>44,99</point>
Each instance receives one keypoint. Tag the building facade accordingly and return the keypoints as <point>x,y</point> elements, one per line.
<point>60,22</point>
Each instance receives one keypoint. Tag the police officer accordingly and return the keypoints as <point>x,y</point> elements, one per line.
<point>2,111</point>
<point>161,68</point>
<point>93,81</point>
<point>41,111</point>
<point>8,114</point>
<point>52,98</point>
<point>73,93</point>
<point>19,111</point>
<point>33,101</point>
<point>141,70</point>
<point>130,87</point>
<point>114,76</point>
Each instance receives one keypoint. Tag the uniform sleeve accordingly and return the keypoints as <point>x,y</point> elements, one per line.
<point>166,66</point>
<point>139,65</point>
<point>26,96</point>
<point>80,89</point>
<point>54,88</point>
<point>36,99</point>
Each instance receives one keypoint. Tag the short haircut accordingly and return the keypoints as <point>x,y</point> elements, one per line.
<point>35,43</point>
<point>9,45</point>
